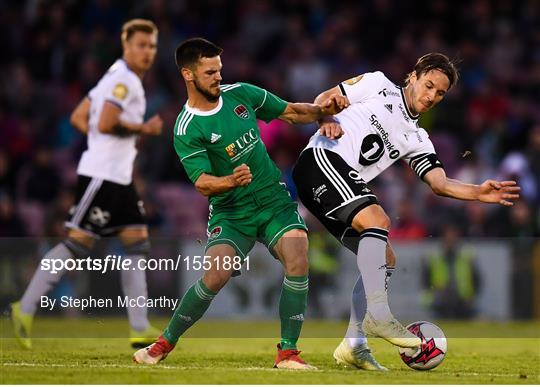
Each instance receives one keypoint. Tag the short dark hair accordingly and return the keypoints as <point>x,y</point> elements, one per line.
<point>190,51</point>
<point>435,61</point>
<point>137,25</point>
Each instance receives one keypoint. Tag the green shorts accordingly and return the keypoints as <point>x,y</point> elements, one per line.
<point>263,219</point>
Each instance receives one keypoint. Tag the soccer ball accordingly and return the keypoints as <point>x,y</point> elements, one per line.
<point>432,350</point>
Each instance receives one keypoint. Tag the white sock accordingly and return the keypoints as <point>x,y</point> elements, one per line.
<point>356,341</point>
<point>133,286</point>
<point>43,281</point>
<point>371,261</point>
<point>355,336</point>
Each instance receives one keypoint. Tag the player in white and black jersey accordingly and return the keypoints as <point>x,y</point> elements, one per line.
<point>112,117</point>
<point>378,128</point>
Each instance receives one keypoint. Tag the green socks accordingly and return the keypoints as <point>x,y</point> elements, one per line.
<point>192,307</point>
<point>292,306</point>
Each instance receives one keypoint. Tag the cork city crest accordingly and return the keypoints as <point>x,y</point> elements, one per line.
<point>241,112</point>
<point>216,231</point>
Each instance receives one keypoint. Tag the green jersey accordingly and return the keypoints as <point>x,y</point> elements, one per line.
<point>217,141</point>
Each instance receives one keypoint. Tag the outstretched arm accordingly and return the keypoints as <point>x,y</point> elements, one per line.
<point>304,113</point>
<point>490,191</point>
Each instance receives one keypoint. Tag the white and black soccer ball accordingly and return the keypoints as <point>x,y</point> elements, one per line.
<point>431,352</point>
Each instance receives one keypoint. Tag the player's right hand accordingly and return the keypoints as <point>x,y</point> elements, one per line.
<point>242,175</point>
<point>334,104</point>
<point>153,125</point>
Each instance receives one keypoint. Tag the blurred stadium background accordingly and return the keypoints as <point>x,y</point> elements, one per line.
<point>488,126</point>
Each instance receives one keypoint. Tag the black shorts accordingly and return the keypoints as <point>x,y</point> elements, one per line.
<point>103,207</point>
<point>332,191</point>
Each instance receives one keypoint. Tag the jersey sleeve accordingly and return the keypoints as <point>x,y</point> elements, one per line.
<point>266,105</point>
<point>423,158</point>
<point>192,152</point>
<point>362,87</point>
<point>121,90</point>
<point>91,94</point>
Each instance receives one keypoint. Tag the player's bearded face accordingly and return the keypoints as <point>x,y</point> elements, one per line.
<point>211,93</point>
<point>207,78</point>
<point>428,90</point>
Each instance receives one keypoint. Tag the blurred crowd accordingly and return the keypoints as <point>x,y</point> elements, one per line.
<point>488,126</point>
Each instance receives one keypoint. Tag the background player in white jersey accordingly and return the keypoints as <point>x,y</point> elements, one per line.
<point>112,115</point>
<point>380,126</point>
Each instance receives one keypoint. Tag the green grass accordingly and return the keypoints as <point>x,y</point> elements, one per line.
<point>473,357</point>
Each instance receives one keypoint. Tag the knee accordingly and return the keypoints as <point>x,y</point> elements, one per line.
<point>293,252</point>
<point>297,264</point>
<point>133,236</point>
<point>377,218</point>
<point>383,221</point>
<point>79,238</point>
<point>216,280</point>
<point>80,248</point>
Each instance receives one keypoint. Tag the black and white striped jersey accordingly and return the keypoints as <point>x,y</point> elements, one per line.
<point>379,129</point>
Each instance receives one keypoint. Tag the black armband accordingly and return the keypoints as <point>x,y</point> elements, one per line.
<point>424,163</point>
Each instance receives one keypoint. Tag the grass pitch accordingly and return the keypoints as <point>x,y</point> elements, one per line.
<point>478,353</point>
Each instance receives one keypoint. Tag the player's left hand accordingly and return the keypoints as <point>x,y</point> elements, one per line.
<point>501,192</point>
<point>331,129</point>
<point>334,104</point>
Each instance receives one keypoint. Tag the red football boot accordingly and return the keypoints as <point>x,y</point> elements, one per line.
<point>289,359</point>
<point>154,353</point>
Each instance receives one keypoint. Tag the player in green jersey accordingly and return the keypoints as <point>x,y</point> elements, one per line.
<point>218,142</point>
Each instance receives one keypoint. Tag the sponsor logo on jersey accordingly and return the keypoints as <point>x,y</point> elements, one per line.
<point>242,112</point>
<point>353,80</point>
<point>216,231</point>
<point>405,115</point>
<point>120,91</point>
<point>231,150</point>
<point>371,150</point>
<point>243,144</point>
<point>215,137</point>
<point>355,175</point>
<point>392,152</point>
<point>385,92</point>
<point>388,107</point>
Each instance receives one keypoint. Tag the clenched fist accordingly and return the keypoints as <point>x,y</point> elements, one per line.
<point>334,104</point>
<point>242,175</point>
<point>153,125</point>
